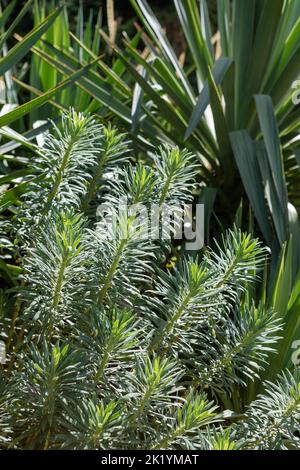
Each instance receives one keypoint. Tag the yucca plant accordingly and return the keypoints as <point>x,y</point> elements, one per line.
<point>231,102</point>
<point>42,76</point>
<point>11,66</point>
<point>107,347</point>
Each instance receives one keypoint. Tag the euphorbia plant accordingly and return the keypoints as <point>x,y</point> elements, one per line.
<point>107,347</point>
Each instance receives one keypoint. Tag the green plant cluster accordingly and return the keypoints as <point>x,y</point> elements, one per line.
<point>108,350</point>
<point>111,338</point>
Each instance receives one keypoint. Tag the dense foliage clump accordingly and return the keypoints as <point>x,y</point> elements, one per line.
<point>107,346</point>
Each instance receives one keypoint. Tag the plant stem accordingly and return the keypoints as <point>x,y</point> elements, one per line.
<point>111,272</point>
<point>60,278</point>
<point>170,324</point>
<point>92,186</point>
<point>166,440</point>
<point>59,175</point>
